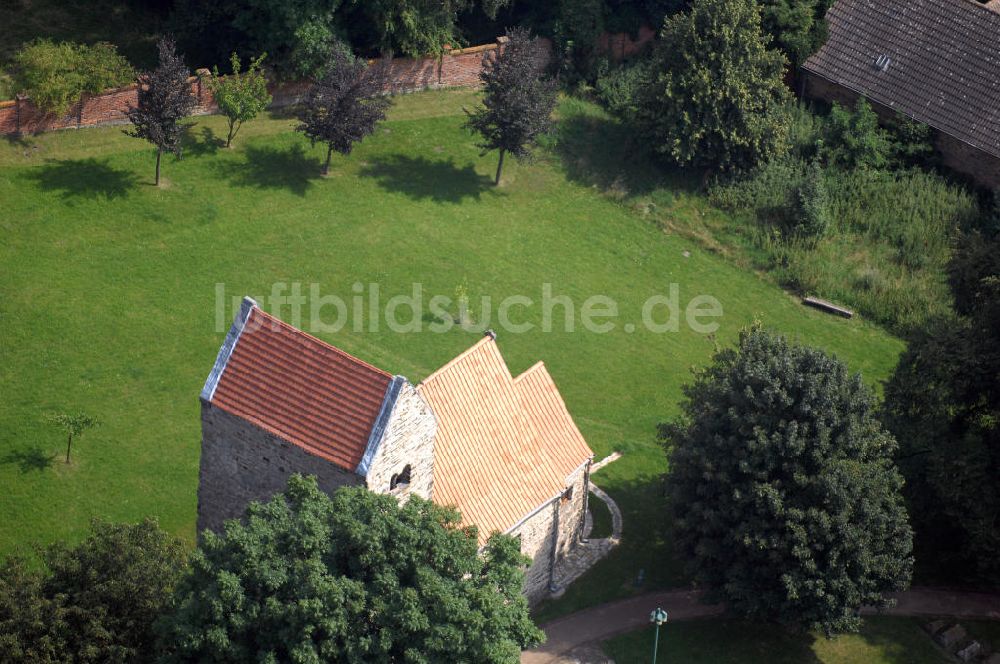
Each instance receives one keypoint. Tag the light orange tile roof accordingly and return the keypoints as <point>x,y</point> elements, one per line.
<point>504,446</point>
<point>301,389</point>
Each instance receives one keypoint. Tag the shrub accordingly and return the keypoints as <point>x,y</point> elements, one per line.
<point>812,204</point>
<point>618,86</point>
<point>766,193</point>
<point>56,75</point>
<point>854,139</point>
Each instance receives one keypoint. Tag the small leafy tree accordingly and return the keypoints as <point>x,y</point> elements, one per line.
<point>854,139</point>
<point>517,98</point>
<point>164,99</point>
<point>812,204</point>
<point>715,96</point>
<point>786,501</point>
<point>55,76</point>
<point>241,96</point>
<point>73,426</point>
<point>94,602</point>
<point>352,578</point>
<point>345,105</point>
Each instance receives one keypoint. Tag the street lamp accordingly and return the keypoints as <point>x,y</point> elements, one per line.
<point>659,616</point>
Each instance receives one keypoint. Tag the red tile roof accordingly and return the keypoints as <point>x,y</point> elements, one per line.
<point>301,389</point>
<point>504,446</point>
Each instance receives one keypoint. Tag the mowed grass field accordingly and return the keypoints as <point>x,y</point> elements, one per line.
<point>108,301</point>
<point>882,640</point>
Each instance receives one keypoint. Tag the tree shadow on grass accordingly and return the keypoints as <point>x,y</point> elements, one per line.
<point>83,178</point>
<point>596,149</point>
<point>28,460</point>
<point>273,168</point>
<point>420,178</point>
<point>203,142</point>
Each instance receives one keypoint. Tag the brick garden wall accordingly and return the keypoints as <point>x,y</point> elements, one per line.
<point>458,68</point>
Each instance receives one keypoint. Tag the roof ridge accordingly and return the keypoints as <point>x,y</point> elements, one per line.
<point>982,5</point>
<point>458,358</point>
<point>540,364</point>
<point>302,333</point>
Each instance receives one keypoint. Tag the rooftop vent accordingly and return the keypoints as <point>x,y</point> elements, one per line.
<point>882,62</point>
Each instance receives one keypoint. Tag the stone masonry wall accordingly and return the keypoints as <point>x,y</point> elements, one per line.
<point>241,463</point>
<point>984,168</point>
<point>408,440</point>
<point>537,534</point>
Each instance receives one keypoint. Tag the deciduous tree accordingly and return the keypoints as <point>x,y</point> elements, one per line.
<point>943,403</point>
<point>715,96</point>
<point>73,426</point>
<point>517,98</point>
<point>94,602</point>
<point>785,497</point>
<point>164,99</point>
<point>241,96</point>
<point>352,578</point>
<point>345,105</point>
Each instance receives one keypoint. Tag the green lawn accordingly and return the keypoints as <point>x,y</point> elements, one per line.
<point>882,640</point>
<point>603,524</point>
<point>107,300</point>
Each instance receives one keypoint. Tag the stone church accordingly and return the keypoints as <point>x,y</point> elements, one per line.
<point>503,449</point>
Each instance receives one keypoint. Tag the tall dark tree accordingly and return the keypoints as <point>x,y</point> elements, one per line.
<point>93,602</point>
<point>352,578</point>
<point>346,104</point>
<point>517,98</point>
<point>164,99</point>
<point>786,501</point>
<point>943,403</point>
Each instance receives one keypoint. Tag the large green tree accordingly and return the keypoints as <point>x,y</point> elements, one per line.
<point>785,497</point>
<point>93,602</point>
<point>352,578</point>
<point>797,26</point>
<point>715,96</point>
<point>943,403</point>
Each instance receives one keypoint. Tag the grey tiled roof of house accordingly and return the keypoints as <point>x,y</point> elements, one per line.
<point>943,62</point>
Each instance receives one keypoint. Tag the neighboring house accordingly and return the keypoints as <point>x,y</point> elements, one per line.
<point>502,449</point>
<point>935,61</point>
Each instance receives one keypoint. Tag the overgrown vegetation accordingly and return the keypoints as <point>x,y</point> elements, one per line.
<point>900,221</point>
<point>943,403</point>
<point>55,75</point>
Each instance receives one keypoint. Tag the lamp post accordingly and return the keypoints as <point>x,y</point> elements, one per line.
<point>659,616</point>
